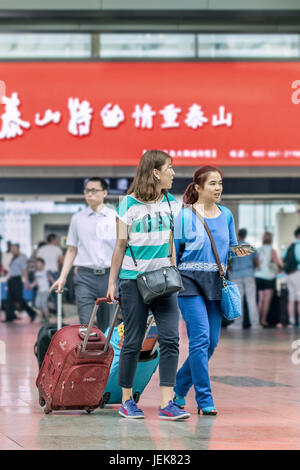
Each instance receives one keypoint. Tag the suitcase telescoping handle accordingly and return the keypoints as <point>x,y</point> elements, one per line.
<point>93,317</point>
<point>59,307</point>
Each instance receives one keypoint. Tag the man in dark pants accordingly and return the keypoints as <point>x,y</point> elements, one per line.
<point>91,241</point>
<point>17,270</point>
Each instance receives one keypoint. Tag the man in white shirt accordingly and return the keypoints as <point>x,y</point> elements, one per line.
<point>91,242</point>
<point>52,254</point>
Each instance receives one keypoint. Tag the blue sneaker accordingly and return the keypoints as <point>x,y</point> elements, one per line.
<point>130,410</point>
<point>172,412</point>
<point>179,401</point>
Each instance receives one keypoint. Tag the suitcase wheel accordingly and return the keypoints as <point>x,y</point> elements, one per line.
<point>136,397</point>
<point>89,410</point>
<point>42,402</point>
<point>104,399</point>
<point>47,408</point>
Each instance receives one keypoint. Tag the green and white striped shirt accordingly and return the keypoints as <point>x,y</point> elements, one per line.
<point>149,234</point>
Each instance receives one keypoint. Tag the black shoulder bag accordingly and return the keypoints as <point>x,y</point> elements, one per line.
<point>161,282</point>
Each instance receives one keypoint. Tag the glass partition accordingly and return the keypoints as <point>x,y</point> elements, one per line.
<point>46,46</point>
<point>258,217</point>
<point>252,46</point>
<point>147,45</point>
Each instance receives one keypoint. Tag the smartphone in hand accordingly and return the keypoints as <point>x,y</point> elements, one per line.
<point>246,246</point>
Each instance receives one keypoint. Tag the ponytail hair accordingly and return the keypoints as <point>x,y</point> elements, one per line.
<point>191,195</point>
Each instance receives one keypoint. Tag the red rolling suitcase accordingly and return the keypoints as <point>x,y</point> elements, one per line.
<point>76,367</point>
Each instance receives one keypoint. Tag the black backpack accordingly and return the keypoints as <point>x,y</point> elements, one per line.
<point>289,261</point>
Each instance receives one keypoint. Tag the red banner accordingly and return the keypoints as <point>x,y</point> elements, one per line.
<point>108,114</point>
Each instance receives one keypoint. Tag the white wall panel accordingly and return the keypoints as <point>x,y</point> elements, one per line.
<point>147,5</point>
<point>50,5</point>
<point>254,5</point>
<point>155,5</point>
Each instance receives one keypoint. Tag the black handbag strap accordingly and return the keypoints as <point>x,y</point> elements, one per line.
<point>171,238</point>
<point>222,274</point>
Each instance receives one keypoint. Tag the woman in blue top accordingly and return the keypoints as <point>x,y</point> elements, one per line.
<point>200,300</point>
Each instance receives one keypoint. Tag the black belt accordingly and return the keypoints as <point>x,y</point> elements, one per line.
<point>96,271</point>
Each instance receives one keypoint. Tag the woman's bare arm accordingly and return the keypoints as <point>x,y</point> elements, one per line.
<point>276,259</point>
<point>117,258</point>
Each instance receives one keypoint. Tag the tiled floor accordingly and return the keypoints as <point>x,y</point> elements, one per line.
<point>255,384</point>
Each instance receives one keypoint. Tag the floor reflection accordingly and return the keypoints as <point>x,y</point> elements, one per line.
<point>256,389</point>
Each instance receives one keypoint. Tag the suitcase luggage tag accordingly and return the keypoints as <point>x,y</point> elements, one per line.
<point>150,338</point>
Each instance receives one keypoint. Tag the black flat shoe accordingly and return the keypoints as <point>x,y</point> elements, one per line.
<point>32,317</point>
<point>10,319</point>
<point>208,411</point>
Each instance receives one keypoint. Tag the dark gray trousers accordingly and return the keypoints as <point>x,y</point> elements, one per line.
<point>88,287</point>
<point>135,314</point>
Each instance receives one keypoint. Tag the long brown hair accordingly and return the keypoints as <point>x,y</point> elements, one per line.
<point>144,185</point>
<point>200,176</point>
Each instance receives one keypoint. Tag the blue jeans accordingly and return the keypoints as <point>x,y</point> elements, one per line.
<point>203,321</point>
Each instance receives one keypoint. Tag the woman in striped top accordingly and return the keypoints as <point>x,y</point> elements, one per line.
<point>144,223</point>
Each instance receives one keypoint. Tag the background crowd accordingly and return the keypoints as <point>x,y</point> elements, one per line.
<point>269,282</point>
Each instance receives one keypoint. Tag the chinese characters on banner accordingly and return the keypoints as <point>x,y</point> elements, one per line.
<point>12,123</point>
<point>109,113</point>
<point>112,116</point>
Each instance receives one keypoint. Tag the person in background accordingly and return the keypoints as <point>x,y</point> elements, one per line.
<point>269,265</point>
<point>241,272</point>
<point>17,270</point>
<point>31,268</point>
<point>6,258</point>
<point>41,281</point>
<point>291,265</point>
<point>91,241</point>
<point>53,256</point>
